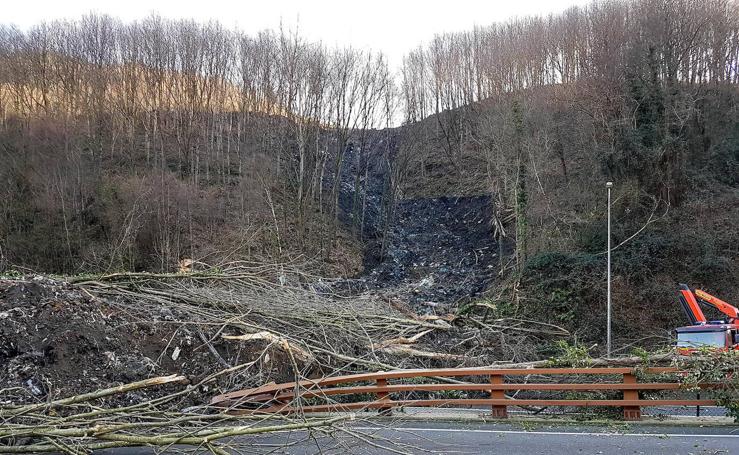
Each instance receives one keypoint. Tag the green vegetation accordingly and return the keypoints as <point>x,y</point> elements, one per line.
<point>715,367</point>
<point>569,356</point>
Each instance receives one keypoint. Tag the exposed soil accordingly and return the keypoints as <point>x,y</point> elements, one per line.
<point>57,341</point>
<point>438,251</point>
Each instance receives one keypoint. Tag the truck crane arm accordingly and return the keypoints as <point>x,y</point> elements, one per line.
<point>729,310</point>
<point>690,306</point>
<point>690,301</point>
<point>723,334</point>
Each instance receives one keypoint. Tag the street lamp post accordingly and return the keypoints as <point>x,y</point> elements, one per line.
<point>608,290</point>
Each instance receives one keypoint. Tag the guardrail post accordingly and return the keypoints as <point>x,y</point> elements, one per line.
<point>631,412</point>
<point>499,411</point>
<point>383,396</point>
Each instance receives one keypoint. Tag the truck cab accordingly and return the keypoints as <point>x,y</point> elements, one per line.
<point>714,336</point>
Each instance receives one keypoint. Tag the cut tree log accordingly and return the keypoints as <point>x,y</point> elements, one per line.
<point>404,340</point>
<point>270,337</point>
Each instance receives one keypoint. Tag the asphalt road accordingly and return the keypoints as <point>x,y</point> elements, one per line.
<point>498,438</point>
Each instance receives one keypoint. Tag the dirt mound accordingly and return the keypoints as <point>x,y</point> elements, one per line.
<point>56,340</point>
<point>59,340</point>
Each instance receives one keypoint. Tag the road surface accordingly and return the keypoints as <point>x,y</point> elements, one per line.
<point>499,438</point>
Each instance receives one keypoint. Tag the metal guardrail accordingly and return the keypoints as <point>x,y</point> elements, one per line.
<point>302,396</point>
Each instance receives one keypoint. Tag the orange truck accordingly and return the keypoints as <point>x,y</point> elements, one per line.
<point>721,334</point>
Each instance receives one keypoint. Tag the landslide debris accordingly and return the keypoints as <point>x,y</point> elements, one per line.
<point>58,340</point>
<point>439,251</point>
<point>433,253</point>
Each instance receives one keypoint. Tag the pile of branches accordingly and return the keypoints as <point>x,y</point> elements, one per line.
<point>319,329</point>
<point>260,323</point>
<point>717,367</point>
<point>83,423</point>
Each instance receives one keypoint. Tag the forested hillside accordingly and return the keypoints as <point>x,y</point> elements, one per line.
<point>541,112</point>
<point>132,146</point>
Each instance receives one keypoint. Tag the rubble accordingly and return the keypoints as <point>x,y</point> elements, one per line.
<point>440,252</point>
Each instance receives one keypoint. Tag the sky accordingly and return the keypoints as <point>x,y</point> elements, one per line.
<point>392,26</point>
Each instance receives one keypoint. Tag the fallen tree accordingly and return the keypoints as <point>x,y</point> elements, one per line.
<point>254,323</point>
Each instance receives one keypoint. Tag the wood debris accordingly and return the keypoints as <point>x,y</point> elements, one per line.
<point>298,352</point>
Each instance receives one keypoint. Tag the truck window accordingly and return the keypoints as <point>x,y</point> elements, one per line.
<point>701,339</point>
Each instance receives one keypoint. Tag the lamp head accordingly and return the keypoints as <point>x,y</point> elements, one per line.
<point>609,184</point>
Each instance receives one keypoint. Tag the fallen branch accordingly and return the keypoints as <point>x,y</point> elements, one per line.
<point>600,362</point>
<point>128,427</point>
<point>407,351</point>
<point>15,412</point>
<point>183,438</point>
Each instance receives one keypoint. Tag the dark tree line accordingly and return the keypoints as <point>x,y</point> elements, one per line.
<point>616,56</point>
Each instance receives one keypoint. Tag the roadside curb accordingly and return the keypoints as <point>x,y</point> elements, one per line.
<point>671,421</point>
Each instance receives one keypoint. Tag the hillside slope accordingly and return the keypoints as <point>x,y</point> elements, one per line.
<point>665,233</point>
